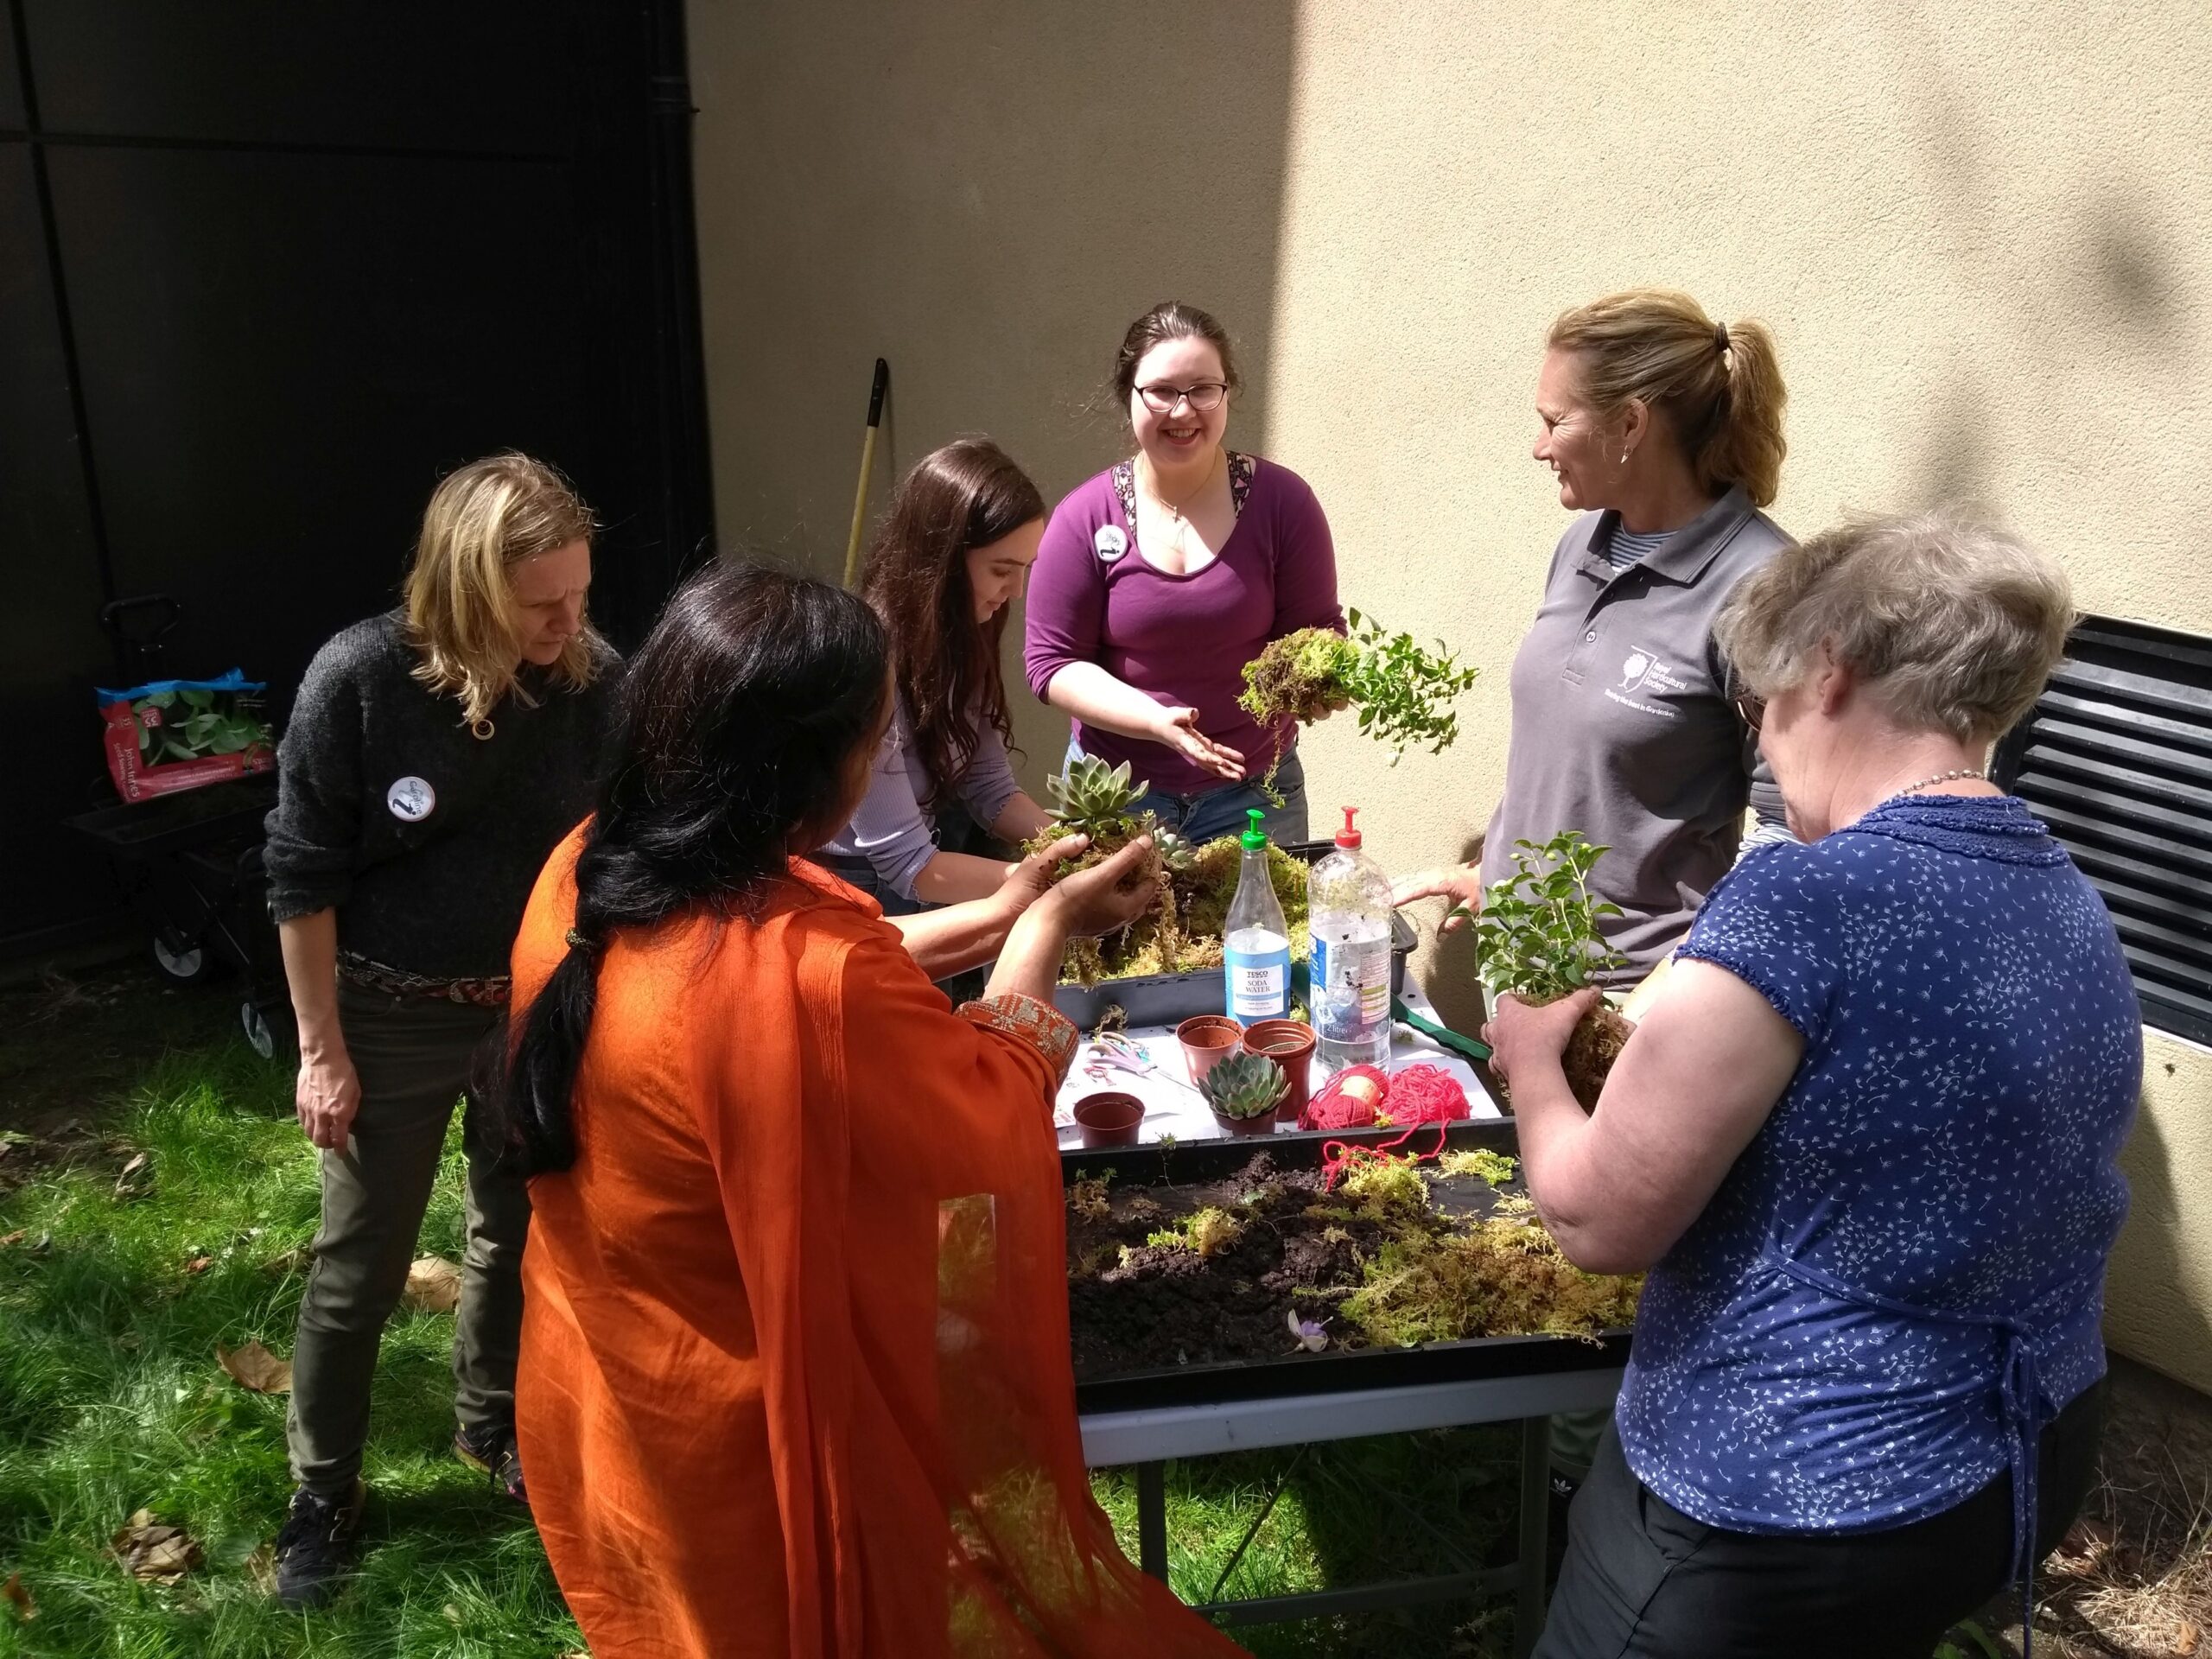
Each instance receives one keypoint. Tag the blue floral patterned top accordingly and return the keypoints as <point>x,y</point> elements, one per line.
<point>1903,1276</point>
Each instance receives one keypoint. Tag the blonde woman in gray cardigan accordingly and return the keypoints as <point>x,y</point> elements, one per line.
<point>435,756</point>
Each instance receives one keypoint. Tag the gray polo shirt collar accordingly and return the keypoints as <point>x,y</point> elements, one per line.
<point>1683,556</point>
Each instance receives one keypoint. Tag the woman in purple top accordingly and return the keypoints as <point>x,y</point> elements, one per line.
<point>952,553</point>
<point>1161,577</point>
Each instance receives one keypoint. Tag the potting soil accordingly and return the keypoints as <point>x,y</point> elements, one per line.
<point>1164,1276</point>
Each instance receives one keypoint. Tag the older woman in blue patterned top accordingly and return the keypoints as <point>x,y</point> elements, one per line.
<point>1864,1141</point>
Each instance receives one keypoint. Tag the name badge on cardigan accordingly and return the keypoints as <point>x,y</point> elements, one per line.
<point>410,799</point>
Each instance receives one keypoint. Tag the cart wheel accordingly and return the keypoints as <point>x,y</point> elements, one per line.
<point>273,1039</point>
<point>188,965</point>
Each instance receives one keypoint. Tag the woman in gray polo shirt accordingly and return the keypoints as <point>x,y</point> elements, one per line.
<point>1664,430</point>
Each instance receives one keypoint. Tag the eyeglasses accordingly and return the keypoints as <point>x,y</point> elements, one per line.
<point>1751,707</point>
<point>1204,397</point>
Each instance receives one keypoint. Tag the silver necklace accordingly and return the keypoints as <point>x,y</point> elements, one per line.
<point>1950,777</point>
<point>1174,511</point>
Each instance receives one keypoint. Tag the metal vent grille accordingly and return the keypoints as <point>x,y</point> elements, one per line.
<point>2116,758</point>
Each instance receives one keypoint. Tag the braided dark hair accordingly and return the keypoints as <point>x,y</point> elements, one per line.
<point>738,723</point>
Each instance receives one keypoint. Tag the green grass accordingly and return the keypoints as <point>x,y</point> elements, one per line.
<point>110,1402</point>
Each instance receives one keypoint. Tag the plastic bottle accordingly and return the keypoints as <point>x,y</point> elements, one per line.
<point>1256,943</point>
<point>1348,910</point>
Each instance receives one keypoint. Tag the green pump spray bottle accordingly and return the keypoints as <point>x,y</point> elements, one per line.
<point>1256,942</point>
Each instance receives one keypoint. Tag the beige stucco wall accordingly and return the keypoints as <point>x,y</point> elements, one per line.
<point>1978,229</point>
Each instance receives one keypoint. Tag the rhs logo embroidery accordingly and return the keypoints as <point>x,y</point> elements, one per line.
<point>1641,670</point>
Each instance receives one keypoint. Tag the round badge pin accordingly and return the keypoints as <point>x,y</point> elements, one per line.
<point>1111,543</point>
<point>410,799</point>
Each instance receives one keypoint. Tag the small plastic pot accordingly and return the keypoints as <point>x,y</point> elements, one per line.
<point>1289,1044</point>
<point>1207,1040</point>
<point>1109,1119</point>
<point>1240,1127</point>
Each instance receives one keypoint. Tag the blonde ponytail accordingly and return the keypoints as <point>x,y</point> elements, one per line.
<point>1719,384</point>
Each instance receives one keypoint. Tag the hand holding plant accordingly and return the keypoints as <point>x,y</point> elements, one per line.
<point>1537,939</point>
<point>1402,692</point>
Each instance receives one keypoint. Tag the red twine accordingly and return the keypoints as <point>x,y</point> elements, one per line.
<point>1347,1101</point>
<point>1417,1096</point>
<point>1425,1094</point>
<point>1339,1158</point>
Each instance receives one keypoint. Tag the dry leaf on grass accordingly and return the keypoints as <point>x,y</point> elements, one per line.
<point>136,1178</point>
<point>254,1367</point>
<point>2189,1639</point>
<point>158,1554</point>
<point>199,1264</point>
<point>289,1260</point>
<point>13,1592</point>
<point>16,1237</point>
<point>433,1285</point>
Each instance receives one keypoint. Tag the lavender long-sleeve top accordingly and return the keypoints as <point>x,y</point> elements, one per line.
<point>891,829</point>
<point>1181,640</point>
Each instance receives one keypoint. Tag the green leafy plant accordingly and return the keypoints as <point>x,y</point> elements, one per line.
<point>1537,936</point>
<point>1245,1086</point>
<point>1403,693</point>
<point>191,722</point>
<point>1537,939</point>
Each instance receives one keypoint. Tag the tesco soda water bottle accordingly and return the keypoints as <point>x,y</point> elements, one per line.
<point>1348,910</point>
<point>1256,942</point>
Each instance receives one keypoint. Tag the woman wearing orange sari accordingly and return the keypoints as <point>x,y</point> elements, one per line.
<point>795,1373</point>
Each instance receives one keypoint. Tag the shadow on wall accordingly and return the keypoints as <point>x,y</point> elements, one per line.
<point>2074,292</point>
<point>987,193</point>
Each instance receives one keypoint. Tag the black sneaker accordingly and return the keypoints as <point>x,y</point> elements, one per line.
<point>491,1448</point>
<point>315,1548</point>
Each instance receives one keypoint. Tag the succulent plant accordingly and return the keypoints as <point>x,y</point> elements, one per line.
<point>1245,1085</point>
<point>1175,853</point>
<point>1092,798</point>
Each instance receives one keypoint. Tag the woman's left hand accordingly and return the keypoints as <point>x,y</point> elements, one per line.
<point>1032,879</point>
<point>1523,1034</point>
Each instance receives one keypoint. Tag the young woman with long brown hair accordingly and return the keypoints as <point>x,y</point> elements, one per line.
<point>942,574</point>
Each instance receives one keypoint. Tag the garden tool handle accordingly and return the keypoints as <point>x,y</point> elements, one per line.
<point>877,387</point>
<point>1468,1048</point>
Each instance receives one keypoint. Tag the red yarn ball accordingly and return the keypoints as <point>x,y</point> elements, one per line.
<point>1425,1094</point>
<point>1347,1101</point>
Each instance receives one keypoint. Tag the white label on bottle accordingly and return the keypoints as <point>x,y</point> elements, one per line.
<point>1259,990</point>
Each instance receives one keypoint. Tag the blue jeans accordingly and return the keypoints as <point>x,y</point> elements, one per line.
<point>1213,813</point>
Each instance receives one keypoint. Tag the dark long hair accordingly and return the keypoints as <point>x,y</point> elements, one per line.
<point>954,500</point>
<point>738,721</point>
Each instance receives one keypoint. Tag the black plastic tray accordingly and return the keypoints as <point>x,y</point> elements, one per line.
<point>214,813</point>
<point>1170,999</point>
<point>1331,1371</point>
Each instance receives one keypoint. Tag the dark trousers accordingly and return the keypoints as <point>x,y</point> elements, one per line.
<point>1641,1579</point>
<point>414,1058</point>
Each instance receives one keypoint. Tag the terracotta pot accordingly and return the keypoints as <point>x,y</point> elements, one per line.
<point>1289,1044</point>
<point>1207,1040</point>
<point>1109,1119</point>
<point>1240,1127</point>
